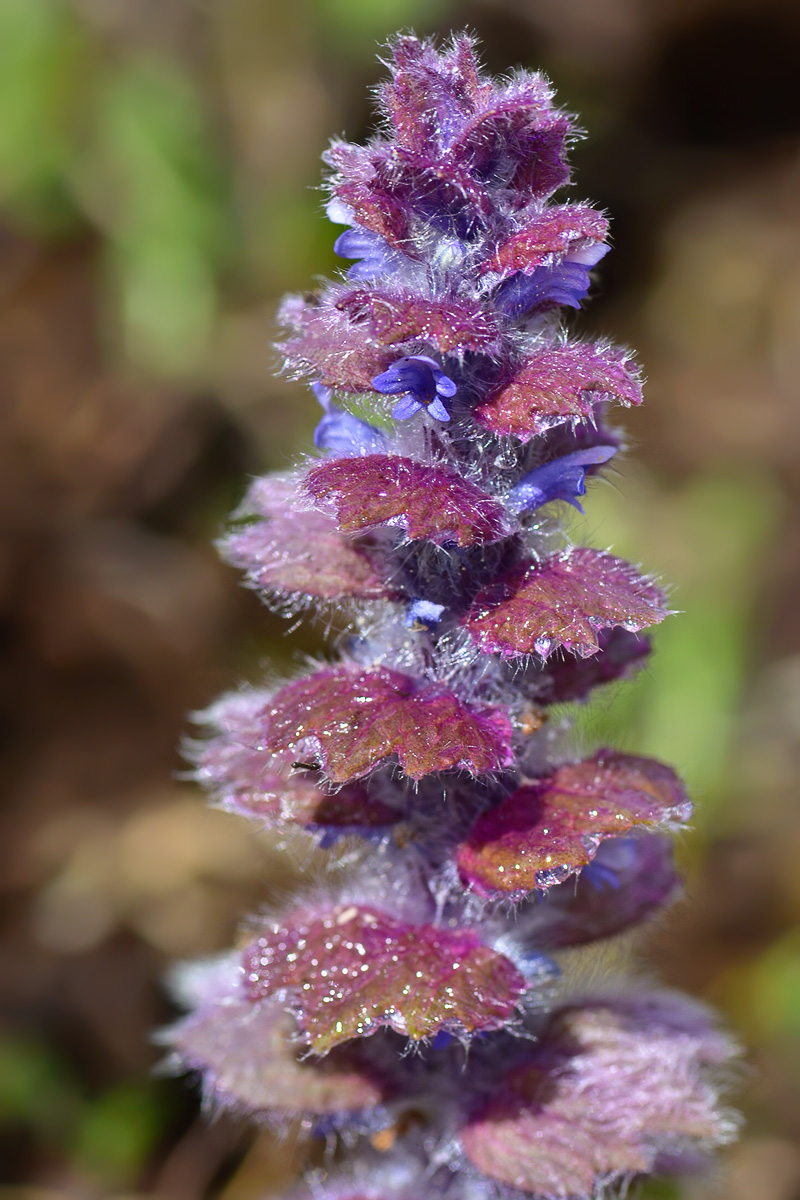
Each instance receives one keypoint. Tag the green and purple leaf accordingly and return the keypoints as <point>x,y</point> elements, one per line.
<point>352,970</point>
<point>428,502</point>
<point>364,181</point>
<point>552,231</point>
<point>562,383</point>
<point>291,551</point>
<point>550,828</point>
<point>609,1090</point>
<point>248,1056</point>
<point>353,720</point>
<point>566,600</point>
<point>245,778</point>
<point>324,346</point>
<point>393,317</point>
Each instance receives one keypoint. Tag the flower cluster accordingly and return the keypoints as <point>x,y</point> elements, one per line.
<point>466,847</point>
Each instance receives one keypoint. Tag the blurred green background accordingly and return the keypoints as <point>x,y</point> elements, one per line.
<point>159,169</point>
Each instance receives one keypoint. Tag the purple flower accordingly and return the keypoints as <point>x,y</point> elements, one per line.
<point>375,257</point>
<point>565,282</point>
<point>341,432</point>
<point>561,479</point>
<point>421,382</point>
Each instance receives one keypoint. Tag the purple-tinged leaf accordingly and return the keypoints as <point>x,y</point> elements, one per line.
<point>609,1089</point>
<point>444,192</point>
<point>349,971</point>
<point>429,502</point>
<point>245,778</point>
<point>471,129</point>
<point>542,167</point>
<point>565,600</point>
<point>550,828</point>
<point>353,720</point>
<point>247,1058</point>
<point>553,231</point>
<point>427,100</point>
<point>566,677</point>
<point>328,348</point>
<point>363,182</point>
<point>400,317</point>
<point>628,880</point>
<point>515,137</point>
<point>293,552</point>
<point>562,383</point>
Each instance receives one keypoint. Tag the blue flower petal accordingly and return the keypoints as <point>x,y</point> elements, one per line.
<point>406,408</point>
<point>560,479</point>
<point>566,282</point>
<point>376,257</point>
<point>343,433</point>
<point>445,386</point>
<point>438,411</point>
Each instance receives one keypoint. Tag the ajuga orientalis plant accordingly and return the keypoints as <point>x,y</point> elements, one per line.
<point>412,1003</point>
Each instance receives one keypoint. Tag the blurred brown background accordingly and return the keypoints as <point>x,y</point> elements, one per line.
<point>158,172</point>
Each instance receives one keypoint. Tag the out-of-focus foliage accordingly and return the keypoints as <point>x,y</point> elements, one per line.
<point>44,56</point>
<point>127,147</point>
<point>158,191</point>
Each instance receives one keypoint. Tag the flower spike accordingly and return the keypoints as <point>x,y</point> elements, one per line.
<point>406,992</point>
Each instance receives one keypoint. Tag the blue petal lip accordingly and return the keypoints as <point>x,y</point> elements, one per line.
<point>406,408</point>
<point>560,479</point>
<point>438,411</point>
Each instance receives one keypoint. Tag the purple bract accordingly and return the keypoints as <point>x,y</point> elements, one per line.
<point>348,970</point>
<point>550,828</point>
<point>563,383</point>
<point>428,501</point>
<point>353,720</point>
<point>564,601</point>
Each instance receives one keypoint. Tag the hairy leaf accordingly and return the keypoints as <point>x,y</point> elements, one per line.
<point>431,502</point>
<point>350,971</point>
<point>609,1089</point>
<point>328,348</point>
<point>290,551</point>
<point>562,383</point>
<point>401,317</point>
<point>355,719</point>
<point>566,600</point>
<point>364,182</point>
<point>248,779</point>
<point>248,1059</point>
<point>550,828</point>
<point>552,231</point>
